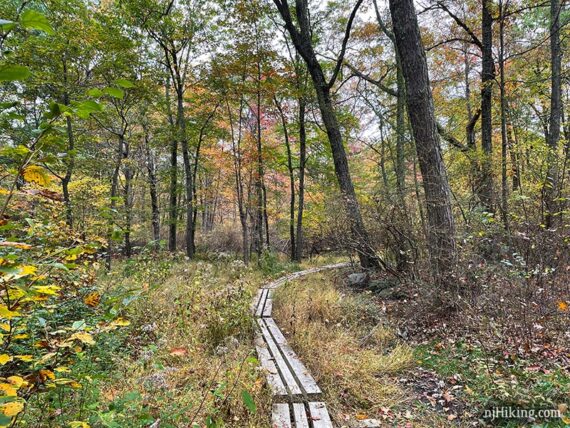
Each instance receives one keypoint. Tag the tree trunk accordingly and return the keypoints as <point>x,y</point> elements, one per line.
<point>70,156</point>
<point>188,173</point>
<point>551,184</point>
<point>303,45</point>
<point>302,162</point>
<point>504,139</point>
<point>487,78</point>
<point>441,227</point>
<point>173,196</point>
<point>128,202</point>
<point>291,172</point>
<point>153,190</point>
<point>113,204</point>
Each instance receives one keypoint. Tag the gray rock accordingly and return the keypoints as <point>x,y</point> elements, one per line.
<point>357,279</point>
<point>369,423</point>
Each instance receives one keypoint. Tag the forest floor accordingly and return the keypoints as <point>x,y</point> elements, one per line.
<point>187,358</point>
<point>376,357</point>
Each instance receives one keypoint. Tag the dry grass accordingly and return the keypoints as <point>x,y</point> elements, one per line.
<point>190,348</point>
<point>342,338</point>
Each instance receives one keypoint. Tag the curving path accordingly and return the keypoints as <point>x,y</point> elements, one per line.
<point>296,395</point>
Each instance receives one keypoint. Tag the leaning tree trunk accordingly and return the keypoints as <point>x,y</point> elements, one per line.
<point>303,44</point>
<point>359,234</point>
<point>441,227</point>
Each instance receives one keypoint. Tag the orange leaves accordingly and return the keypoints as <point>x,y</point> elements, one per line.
<point>92,299</point>
<point>563,306</point>
<point>20,245</point>
<point>178,352</point>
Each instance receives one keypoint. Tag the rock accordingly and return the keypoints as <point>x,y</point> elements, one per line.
<point>369,423</point>
<point>377,285</point>
<point>357,279</point>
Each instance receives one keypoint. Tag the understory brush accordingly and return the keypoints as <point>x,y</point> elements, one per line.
<point>346,344</point>
<point>185,359</point>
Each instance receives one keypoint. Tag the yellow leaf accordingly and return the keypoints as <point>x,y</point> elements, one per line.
<point>62,369</point>
<point>4,358</point>
<point>563,306</point>
<point>8,390</point>
<point>20,336</point>
<point>51,290</point>
<point>7,313</point>
<point>46,374</point>
<point>92,299</point>
<point>83,337</point>
<point>17,381</point>
<point>27,270</point>
<point>13,408</point>
<point>79,424</point>
<point>5,326</point>
<point>120,322</point>
<point>36,174</point>
<point>25,358</point>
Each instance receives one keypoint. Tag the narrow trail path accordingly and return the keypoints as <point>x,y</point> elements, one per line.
<point>296,395</point>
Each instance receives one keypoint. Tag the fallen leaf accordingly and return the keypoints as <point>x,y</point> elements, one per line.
<point>179,352</point>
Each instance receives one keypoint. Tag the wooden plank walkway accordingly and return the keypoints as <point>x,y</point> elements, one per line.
<point>295,392</point>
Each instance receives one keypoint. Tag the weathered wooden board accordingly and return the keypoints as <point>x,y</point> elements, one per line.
<point>300,416</point>
<point>320,415</point>
<point>268,307</point>
<point>280,417</point>
<point>282,366</point>
<point>261,304</point>
<point>301,373</point>
<point>274,380</point>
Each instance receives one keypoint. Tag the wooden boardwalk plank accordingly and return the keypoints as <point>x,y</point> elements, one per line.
<point>300,416</point>
<point>284,370</point>
<point>268,307</point>
<point>298,368</point>
<point>261,304</point>
<point>320,415</point>
<point>274,380</point>
<point>280,417</point>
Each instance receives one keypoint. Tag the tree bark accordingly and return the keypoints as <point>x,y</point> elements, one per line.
<point>551,183</point>
<point>441,226</point>
<point>504,138</point>
<point>487,78</point>
<point>302,162</point>
<point>153,190</point>
<point>172,191</point>
<point>291,172</point>
<point>127,201</point>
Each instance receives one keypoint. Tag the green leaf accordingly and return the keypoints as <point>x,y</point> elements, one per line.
<point>124,83</point>
<point>5,420</point>
<point>85,108</point>
<point>95,92</point>
<point>115,92</point>
<point>7,25</point>
<point>32,19</point>
<point>248,401</point>
<point>10,72</point>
